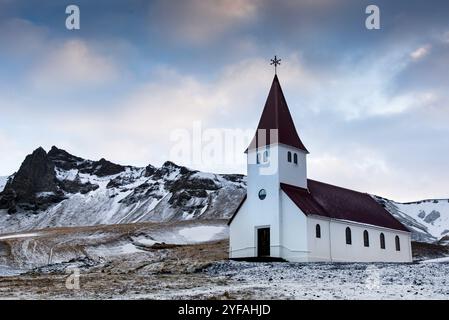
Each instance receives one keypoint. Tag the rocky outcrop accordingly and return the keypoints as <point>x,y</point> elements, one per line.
<point>66,161</point>
<point>34,185</point>
<point>431,217</point>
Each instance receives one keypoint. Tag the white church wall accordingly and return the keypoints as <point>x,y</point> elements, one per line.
<point>357,252</point>
<point>289,172</point>
<point>294,231</point>
<point>241,235</point>
<point>263,213</point>
<point>319,248</point>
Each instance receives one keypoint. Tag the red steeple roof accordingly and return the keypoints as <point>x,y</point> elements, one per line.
<point>276,115</point>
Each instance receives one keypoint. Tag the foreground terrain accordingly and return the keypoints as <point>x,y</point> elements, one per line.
<point>188,260</point>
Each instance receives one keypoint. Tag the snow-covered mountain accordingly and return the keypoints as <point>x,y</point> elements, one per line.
<point>427,219</point>
<point>59,189</point>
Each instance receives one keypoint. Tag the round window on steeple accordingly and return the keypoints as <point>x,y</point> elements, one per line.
<point>262,194</point>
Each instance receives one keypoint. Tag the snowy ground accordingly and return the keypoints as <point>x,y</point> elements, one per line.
<point>188,260</point>
<point>336,281</point>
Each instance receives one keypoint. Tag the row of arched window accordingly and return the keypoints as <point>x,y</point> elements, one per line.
<point>265,156</point>
<point>365,238</point>
<point>295,157</point>
<point>290,157</point>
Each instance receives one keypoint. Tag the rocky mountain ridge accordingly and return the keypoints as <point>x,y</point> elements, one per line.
<point>60,189</point>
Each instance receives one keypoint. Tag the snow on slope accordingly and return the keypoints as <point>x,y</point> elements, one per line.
<point>3,181</point>
<point>434,214</point>
<point>428,220</point>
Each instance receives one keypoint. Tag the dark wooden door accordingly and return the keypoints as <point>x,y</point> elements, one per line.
<point>263,242</point>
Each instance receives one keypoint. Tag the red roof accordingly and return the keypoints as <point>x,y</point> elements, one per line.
<point>338,203</point>
<point>276,115</point>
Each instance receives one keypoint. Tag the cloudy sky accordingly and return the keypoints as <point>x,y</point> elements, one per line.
<point>372,106</point>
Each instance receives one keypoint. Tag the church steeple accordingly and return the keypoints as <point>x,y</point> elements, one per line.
<point>276,115</point>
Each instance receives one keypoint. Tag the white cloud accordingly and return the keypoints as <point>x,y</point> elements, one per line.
<point>421,52</point>
<point>72,64</point>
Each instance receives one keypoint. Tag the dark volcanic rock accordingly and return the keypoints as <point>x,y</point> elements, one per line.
<point>237,178</point>
<point>35,178</point>
<point>105,168</point>
<point>169,167</point>
<point>149,170</point>
<point>76,186</point>
<point>431,217</point>
<point>64,160</point>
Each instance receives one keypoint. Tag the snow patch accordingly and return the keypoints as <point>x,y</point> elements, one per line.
<point>19,235</point>
<point>202,233</point>
<point>146,241</point>
<point>438,260</point>
<point>107,251</point>
<point>63,175</point>
<point>44,194</point>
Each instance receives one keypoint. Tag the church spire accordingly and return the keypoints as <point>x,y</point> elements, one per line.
<point>276,115</point>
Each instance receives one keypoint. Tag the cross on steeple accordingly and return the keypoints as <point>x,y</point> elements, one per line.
<point>275,62</point>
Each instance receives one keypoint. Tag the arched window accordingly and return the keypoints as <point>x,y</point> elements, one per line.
<point>348,236</point>
<point>295,158</point>
<point>398,243</point>
<point>289,156</point>
<point>382,241</point>
<point>318,231</point>
<point>365,238</point>
<point>265,157</point>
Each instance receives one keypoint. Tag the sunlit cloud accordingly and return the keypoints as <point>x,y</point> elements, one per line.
<point>421,52</point>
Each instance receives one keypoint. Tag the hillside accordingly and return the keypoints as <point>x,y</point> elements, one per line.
<point>427,219</point>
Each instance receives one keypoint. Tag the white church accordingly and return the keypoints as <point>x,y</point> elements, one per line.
<point>287,216</point>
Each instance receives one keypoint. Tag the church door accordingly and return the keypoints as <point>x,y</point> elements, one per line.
<point>263,242</point>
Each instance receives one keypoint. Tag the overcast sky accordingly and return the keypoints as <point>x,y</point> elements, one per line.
<point>372,106</point>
